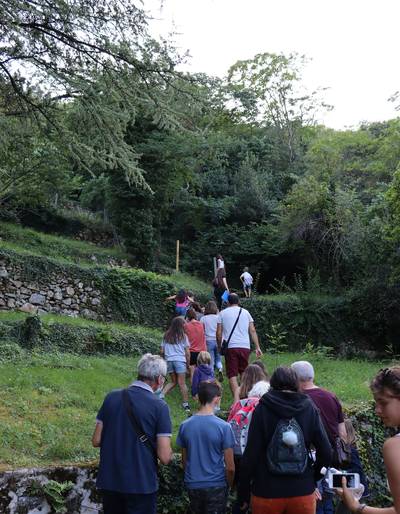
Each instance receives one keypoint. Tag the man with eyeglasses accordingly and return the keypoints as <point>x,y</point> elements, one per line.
<point>133,430</point>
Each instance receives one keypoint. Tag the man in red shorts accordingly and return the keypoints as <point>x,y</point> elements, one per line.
<point>236,325</point>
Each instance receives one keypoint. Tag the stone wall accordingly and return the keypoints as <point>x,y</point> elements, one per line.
<point>58,293</point>
<point>37,491</point>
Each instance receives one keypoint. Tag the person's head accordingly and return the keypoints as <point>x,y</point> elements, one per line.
<point>386,390</point>
<point>176,331</point>
<point>350,432</point>
<point>304,371</point>
<point>203,358</point>
<point>197,307</point>
<point>259,362</point>
<point>233,299</point>
<point>284,378</point>
<point>209,393</point>
<point>181,295</point>
<point>152,369</point>
<point>191,314</point>
<point>259,389</point>
<point>251,375</point>
<point>219,256</point>
<point>245,269</point>
<point>211,308</point>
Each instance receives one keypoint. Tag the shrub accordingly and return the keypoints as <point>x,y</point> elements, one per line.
<point>11,352</point>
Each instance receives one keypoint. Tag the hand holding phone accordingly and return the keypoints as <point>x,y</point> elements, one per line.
<point>352,480</point>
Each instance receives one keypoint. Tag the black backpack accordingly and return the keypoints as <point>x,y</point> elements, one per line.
<point>283,459</point>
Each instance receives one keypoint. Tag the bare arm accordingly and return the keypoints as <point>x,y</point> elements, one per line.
<point>225,283</point>
<point>171,297</point>
<point>184,455</point>
<point>164,450</point>
<point>229,466</point>
<point>96,437</point>
<point>187,355</point>
<point>162,351</point>
<point>219,335</point>
<point>254,338</point>
<point>342,431</point>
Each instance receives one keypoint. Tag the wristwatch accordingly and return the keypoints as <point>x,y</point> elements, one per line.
<point>361,507</point>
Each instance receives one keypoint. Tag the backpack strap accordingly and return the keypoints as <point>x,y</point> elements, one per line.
<point>234,326</point>
<point>137,426</point>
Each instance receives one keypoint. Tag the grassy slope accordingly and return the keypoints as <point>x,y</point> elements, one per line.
<point>49,402</point>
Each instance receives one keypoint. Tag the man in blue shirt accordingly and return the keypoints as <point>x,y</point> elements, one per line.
<point>128,466</point>
<point>207,454</point>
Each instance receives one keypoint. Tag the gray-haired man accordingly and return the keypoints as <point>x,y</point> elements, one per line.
<point>128,465</point>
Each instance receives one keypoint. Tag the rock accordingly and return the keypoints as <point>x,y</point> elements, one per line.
<point>2,302</point>
<point>67,301</point>
<point>88,289</point>
<point>28,307</point>
<point>3,273</point>
<point>25,290</point>
<point>17,283</point>
<point>95,301</point>
<point>37,299</point>
<point>41,312</point>
<point>87,313</point>
<point>50,294</point>
<point>58,296</point>
<point>70,291</point>
<point>11,303</point>
<point>75,307</point>
<point>10,295</point>
<point>80,285</point>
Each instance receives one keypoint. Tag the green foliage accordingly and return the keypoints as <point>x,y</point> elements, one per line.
<point>10,351</point>
<point>172,497</point>
<point>54,492</point>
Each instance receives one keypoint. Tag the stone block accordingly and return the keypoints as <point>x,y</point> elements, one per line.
<point>95,301</point>
<point>67,301</point>
<point>3,273</point>
<point>11,303</point>
<point>37,299</point>
<point>70,291</point>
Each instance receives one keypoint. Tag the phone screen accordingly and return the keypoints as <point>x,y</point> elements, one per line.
<point>337,480</point>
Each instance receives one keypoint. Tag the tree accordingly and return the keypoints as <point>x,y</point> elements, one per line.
<point>268,90</point>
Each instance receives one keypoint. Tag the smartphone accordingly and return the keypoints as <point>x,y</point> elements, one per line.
<point>352,479</point>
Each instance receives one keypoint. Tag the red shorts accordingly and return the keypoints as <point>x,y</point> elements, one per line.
<point>236,360</point>
<point>294,505</point>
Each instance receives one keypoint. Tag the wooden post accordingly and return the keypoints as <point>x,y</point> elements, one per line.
<point>215,266</point>
<point>177,255</point>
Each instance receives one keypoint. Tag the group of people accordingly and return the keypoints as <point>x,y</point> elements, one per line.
<point>280,433</point>
<point>220,284</point>
<point>274,459</point>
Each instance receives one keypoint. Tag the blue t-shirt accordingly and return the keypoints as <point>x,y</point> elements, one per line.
<point>205,439</point>
<point>126,464</point>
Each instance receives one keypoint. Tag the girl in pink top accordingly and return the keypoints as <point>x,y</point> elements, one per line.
<point>182,302</point>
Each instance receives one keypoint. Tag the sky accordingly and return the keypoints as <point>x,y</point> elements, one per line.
<point>353,45</point>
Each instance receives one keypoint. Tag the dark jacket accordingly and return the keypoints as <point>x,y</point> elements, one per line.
<point>201,373</point>
<point>254,473</point>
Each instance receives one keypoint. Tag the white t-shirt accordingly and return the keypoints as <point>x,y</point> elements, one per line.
<point>240,337</point>
<point>220,264</point>
<point>247,278</point>
<point>175,352</point>
<point>210,322</point>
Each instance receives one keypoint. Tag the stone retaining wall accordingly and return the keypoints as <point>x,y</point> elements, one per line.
<point>34,491</point>
<point>59,294</point>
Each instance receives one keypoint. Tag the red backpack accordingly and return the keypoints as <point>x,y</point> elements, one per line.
<point>240,423</point>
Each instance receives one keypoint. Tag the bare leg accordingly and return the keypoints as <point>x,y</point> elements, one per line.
<point>183,386</point>
<point>233,383</point>
<point>191,369</point>
<point>171,384</point>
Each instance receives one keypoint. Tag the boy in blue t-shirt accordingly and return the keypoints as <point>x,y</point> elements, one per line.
<point>207,453</point>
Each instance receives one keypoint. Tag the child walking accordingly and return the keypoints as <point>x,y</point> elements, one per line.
<point>210,322</point>
<point>175,350</point>
<point>203,372</point>
<point>182,302</point>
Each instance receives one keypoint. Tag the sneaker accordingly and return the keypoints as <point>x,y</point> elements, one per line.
<point>220,375</point>
<point>186,407</point>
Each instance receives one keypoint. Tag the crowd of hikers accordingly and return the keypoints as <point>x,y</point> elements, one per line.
<point>276,449</point>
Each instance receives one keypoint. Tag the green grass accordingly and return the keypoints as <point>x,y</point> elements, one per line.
<point>190,283</point>
<point>49,401</point>
<point>30,242</point>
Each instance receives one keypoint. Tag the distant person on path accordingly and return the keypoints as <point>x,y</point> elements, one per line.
<point>175,350</point>
<point>182,302</point>
<point>220,286</point>
<point>202,373</point>
<point>276,466</point>
<point>210,322</point>
<point>238,351</point>
<point>197,339</point>
<point>128,462</point>
<point>207,454</point>
<point>220,262</point>
<point>332,417</point>
<point>247,281</point>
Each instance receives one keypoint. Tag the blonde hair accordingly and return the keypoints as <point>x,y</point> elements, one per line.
<point>203,358</point>
<point>351,436</point>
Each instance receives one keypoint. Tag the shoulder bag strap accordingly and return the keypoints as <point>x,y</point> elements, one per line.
<point>234,326</point>
<point>137,426</point>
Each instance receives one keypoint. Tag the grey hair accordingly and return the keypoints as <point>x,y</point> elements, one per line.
<point>259,389</point>
<point>150,367</point>
<point>304,370</point>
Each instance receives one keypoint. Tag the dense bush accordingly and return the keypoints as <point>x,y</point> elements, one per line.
<point>81,338</point>
<point>300,319</point>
